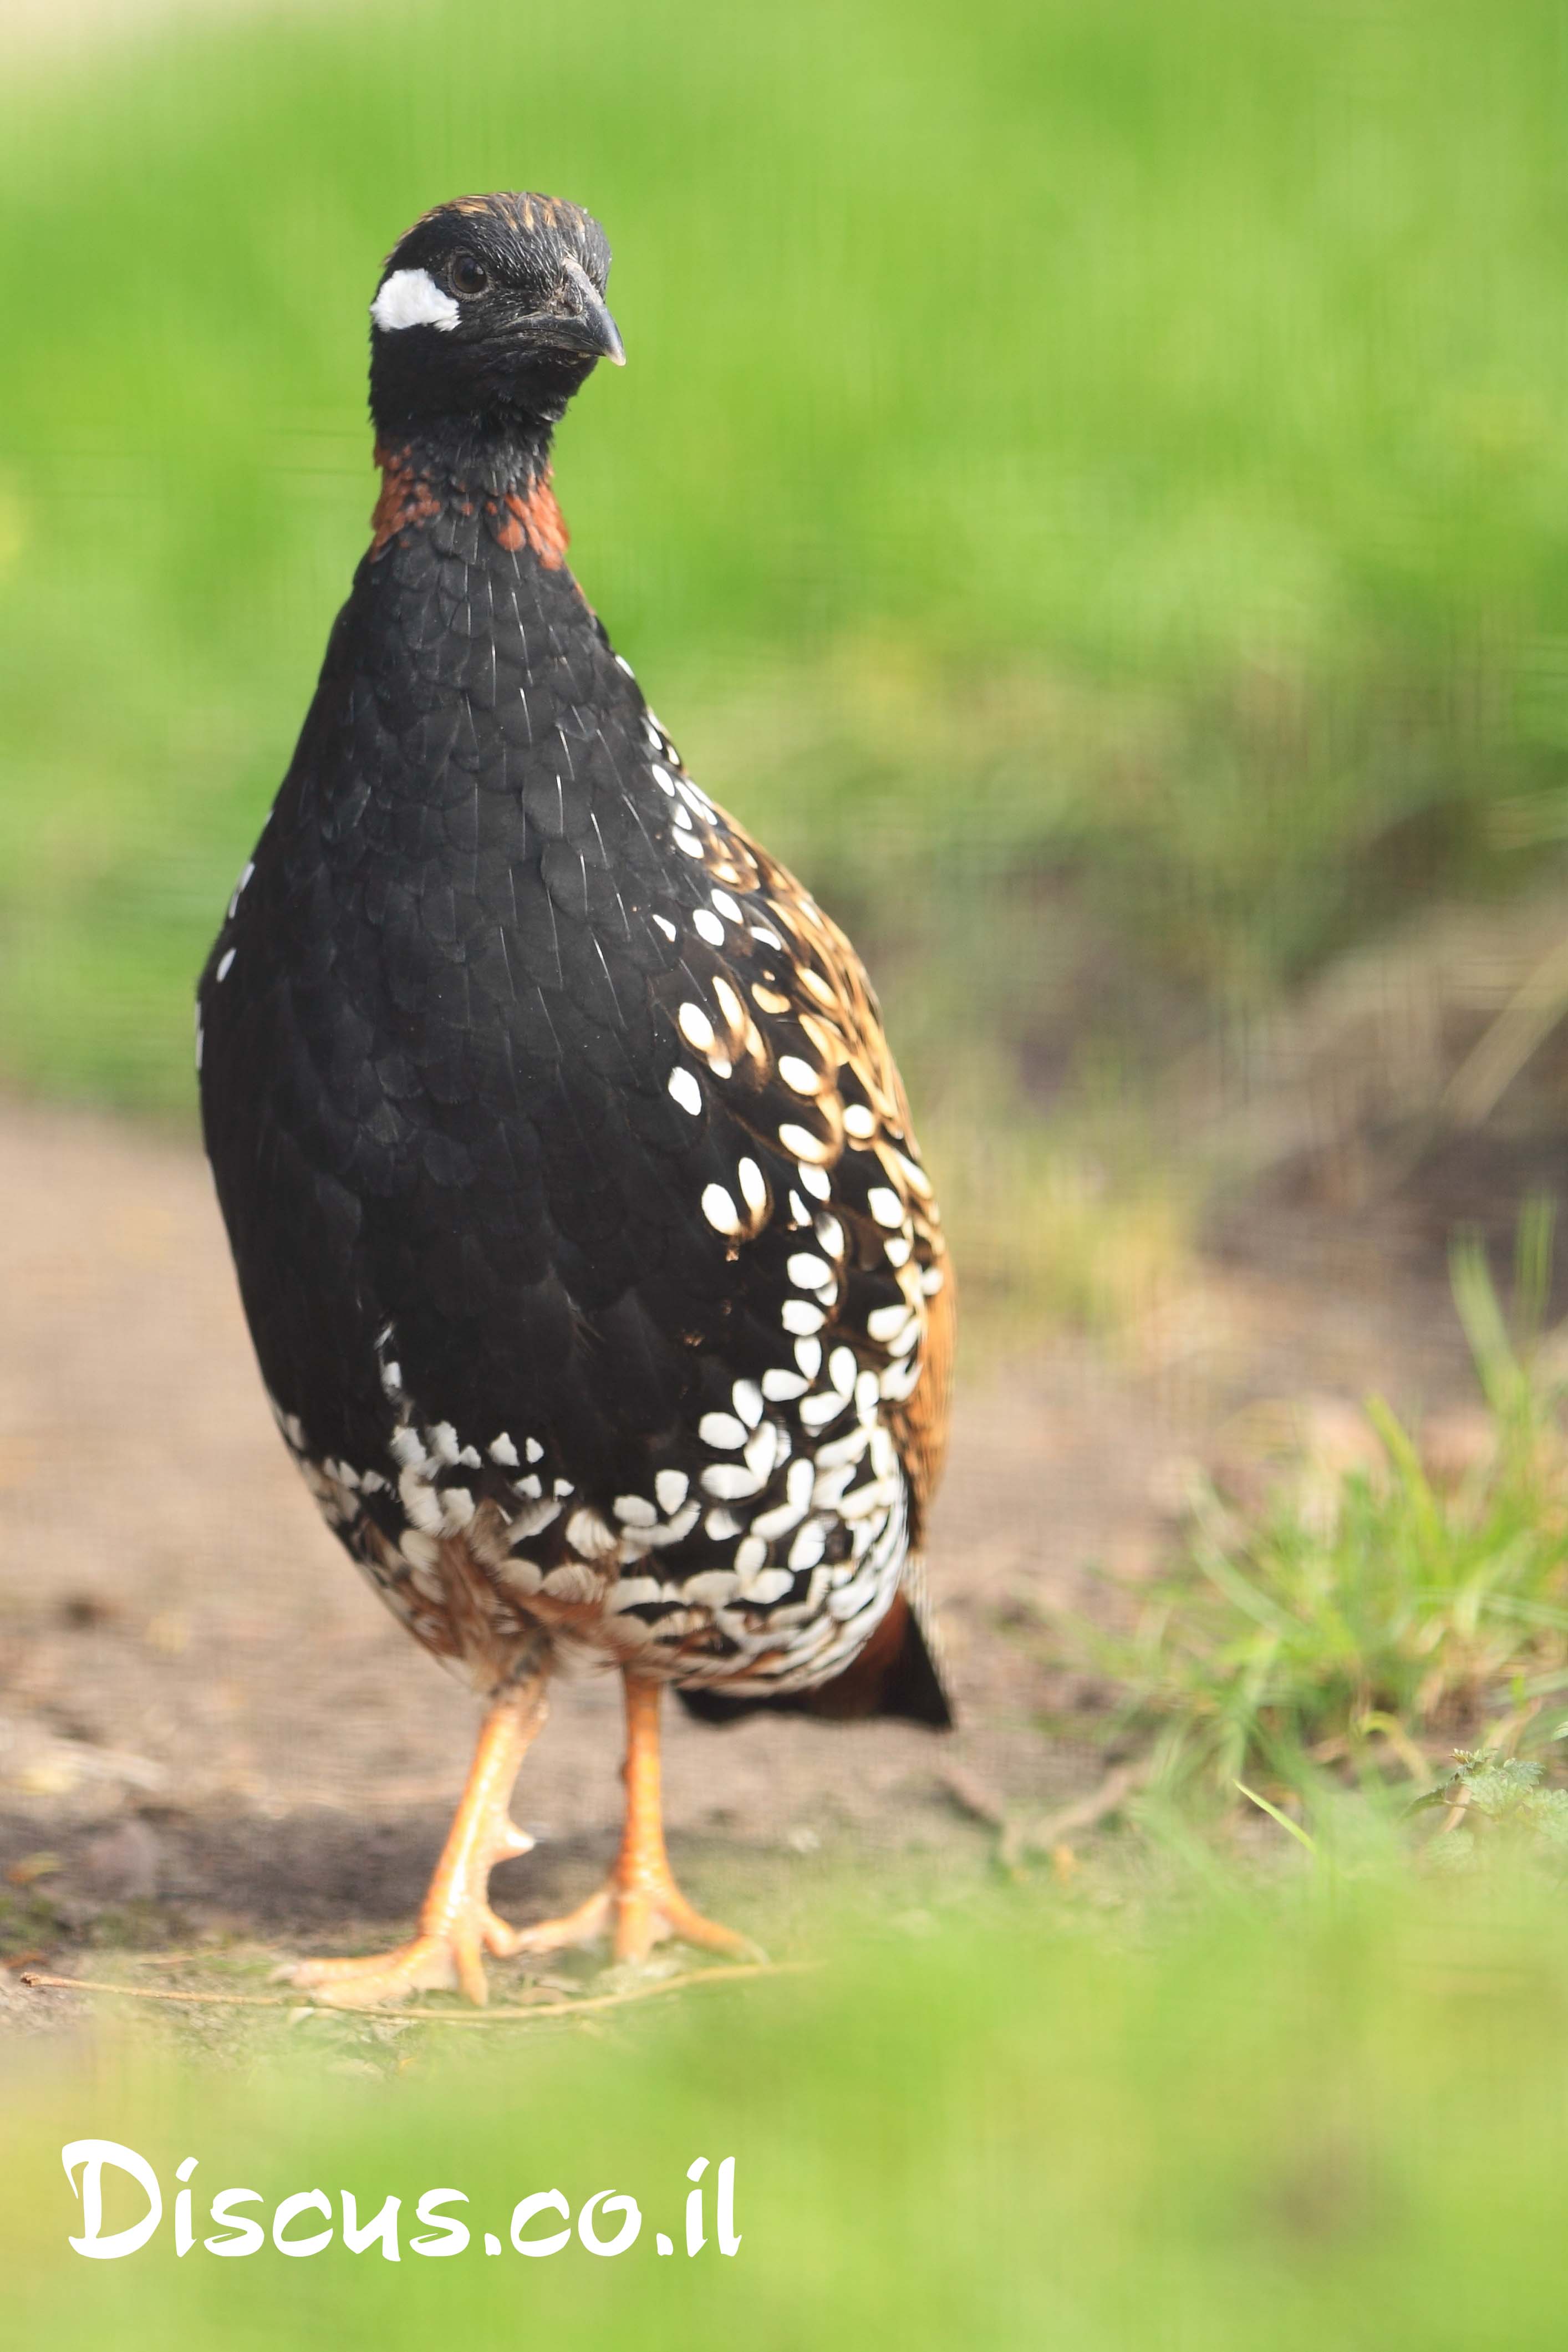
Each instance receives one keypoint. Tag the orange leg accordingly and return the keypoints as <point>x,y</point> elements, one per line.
<point>641,1904</point>
<point>456,1923</point>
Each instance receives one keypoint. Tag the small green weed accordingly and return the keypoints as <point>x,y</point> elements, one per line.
<point>1494,1801</point>
<point>1389,1622</point>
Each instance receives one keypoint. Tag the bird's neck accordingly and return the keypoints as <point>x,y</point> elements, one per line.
<point>468,457</point>
<point>461,468</point>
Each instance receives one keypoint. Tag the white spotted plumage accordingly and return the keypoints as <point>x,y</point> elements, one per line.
<point>793,1481</point>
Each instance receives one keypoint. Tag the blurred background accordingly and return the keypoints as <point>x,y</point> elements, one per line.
<point>1090,490</point>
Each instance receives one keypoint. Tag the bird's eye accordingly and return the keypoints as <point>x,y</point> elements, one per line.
<point>469,275</point>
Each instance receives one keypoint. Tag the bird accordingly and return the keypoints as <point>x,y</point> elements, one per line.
<point>592,1268</point>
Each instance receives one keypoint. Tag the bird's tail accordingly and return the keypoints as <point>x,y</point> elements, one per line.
<point>898,1674</point>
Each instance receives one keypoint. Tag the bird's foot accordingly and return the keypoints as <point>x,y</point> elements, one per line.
<point>636,1908</point>
<point>457,1926</point>
<point>639,1904</point>
<point>446,1959</point>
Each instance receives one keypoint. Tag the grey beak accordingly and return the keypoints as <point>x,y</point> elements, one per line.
<point>602,336</point>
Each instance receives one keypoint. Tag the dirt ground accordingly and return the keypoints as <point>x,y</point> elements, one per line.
<point>208,1725</point>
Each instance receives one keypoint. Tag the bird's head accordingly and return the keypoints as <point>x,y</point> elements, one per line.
<point>491,311</point>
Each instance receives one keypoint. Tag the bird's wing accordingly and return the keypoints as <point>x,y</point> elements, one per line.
<point>809,1068</point>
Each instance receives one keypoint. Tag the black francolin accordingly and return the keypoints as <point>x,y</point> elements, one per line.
<point>593,1273</point>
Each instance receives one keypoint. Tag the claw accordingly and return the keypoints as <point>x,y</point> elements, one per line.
<point>636,1922</point>
<point>428,1964</point>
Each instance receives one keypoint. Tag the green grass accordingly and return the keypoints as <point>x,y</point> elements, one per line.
<point>1092,486</point>
<point>1373,1621</point>
<point>1322,2112</point>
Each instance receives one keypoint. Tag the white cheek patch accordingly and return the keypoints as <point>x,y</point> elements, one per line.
<point>411,297</point>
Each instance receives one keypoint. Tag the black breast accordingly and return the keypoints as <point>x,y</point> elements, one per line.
<point>550,1119</point>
